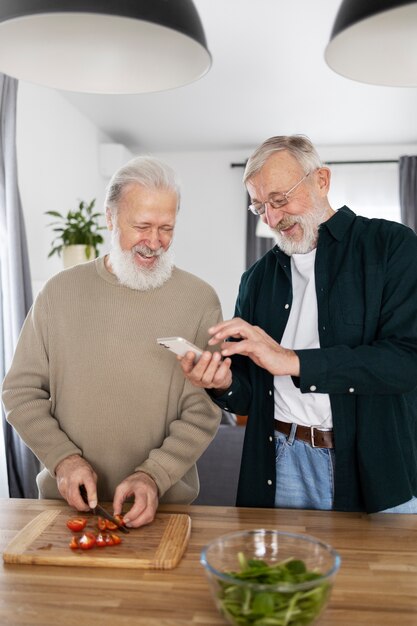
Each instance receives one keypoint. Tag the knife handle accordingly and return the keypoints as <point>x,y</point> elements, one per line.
<point>83,492</point>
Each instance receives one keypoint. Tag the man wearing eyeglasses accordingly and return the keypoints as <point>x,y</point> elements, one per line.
<point>322,352</point>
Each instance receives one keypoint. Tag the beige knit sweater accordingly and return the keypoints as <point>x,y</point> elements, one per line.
<point>89,378</point>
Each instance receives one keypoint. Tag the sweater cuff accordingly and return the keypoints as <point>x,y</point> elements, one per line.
<point>58,454</point>
<point>157,473</point>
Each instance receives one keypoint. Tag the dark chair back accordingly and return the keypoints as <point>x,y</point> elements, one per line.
<point>218,467</point>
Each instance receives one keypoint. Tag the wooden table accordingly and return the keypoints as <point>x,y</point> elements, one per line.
<point>376,585</point>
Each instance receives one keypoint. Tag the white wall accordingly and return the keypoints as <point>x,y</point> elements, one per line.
<point>211,228</point>
<point>58,165</point>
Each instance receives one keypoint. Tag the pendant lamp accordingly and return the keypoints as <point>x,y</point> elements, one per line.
<point>103,46</point>
<point>375,41</point>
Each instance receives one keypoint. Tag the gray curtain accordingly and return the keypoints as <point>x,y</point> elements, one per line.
<point>15,285</point>
<point>408,190</point>
<point>255,246</point>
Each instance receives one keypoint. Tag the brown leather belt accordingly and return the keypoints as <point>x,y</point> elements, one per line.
<point>309,434</point>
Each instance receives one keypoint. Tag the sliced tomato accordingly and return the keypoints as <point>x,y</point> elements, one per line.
<point>87,541</point>
<point>116,539</point>
<point>76,523</point>
<point>111,525</point>
<point>101,523</point>
<point>108,539</point>
<point>73,544</point>
<point>101,540</point>
<point>119,519</point>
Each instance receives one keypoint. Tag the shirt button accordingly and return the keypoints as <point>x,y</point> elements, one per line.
<point>313,388</point>
<point>270,392</point>
<point>287,306</point>
<point>351,389</point>
<point>270,438</point>
<point>226,408</point>
<point>230,393</point>
<point>269,482</point>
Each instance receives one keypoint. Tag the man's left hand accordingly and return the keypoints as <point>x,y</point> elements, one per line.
<point>145,492</point>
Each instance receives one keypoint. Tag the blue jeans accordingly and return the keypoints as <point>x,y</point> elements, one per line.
<point>305,476</point>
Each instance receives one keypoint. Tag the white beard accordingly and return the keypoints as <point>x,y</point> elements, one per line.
<point>310,223</point>
<point>130,274</point>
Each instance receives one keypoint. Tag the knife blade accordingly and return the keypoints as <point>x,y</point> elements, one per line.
<point>99,510</point>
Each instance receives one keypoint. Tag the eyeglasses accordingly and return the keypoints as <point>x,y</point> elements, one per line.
<point>277,201</point>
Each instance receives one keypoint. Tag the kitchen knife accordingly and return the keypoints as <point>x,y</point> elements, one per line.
<point>99,510</point>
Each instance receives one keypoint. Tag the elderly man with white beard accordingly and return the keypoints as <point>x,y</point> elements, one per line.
<point>90,391</point>
<point>322,352</point>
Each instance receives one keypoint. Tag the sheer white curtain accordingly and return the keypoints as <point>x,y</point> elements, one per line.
<point>15,290</point>
<point>369,189</point>
<point>4,482</point>
<point>408,190</point>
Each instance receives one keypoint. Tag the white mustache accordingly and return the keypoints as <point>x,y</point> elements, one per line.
<point>283,224</point>
<point>147,252</point>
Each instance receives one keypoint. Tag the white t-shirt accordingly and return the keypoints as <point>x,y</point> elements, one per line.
<point>301,332</point>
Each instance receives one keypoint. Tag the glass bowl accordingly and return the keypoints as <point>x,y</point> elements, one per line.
<point>268,577</point>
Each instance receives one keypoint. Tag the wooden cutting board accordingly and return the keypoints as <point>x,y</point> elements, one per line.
<point>45,540</point>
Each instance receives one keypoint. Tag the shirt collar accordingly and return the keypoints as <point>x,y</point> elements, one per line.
<point>339,223</point>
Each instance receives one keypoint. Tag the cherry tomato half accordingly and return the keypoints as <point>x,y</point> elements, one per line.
<point>116,539</point>
<point>101,540</point>
<point>87,541</point>
<point>111,525</point>
<point>76,523</point>
<point>101,523</point>
<point>108,539</point>
<point>119,519</point>
<point>74,543</point>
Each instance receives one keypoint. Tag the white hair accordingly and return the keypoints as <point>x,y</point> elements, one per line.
<point>299,146</point>
<point>150,172</point>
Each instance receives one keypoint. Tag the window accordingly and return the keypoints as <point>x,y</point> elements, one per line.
<point>369,189</point>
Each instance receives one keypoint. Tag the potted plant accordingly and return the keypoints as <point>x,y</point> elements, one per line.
<point>77,234</point>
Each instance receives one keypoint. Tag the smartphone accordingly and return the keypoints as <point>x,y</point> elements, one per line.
<point>180,346</point>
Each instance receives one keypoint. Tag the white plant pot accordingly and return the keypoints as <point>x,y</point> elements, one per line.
<point>73,255</point>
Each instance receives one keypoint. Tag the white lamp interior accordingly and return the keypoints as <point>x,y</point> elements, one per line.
<point>99,53</point>
<point>380,50</point>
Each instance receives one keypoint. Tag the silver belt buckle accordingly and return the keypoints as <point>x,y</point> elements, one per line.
<point>312,429</point>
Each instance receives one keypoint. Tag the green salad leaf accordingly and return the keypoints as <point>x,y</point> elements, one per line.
<point>249,606</point>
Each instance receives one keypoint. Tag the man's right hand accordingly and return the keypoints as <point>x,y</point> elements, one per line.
<point>210,372</point>
<point>72,472</point>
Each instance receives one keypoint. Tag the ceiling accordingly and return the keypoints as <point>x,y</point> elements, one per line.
<point>268,77</point>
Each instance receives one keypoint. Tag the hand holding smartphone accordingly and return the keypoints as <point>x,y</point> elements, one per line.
<point>180,346</point>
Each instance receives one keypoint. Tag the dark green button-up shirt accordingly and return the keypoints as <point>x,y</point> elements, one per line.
<point>366,286</point>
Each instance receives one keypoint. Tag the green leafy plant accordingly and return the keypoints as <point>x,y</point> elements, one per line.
<point>80,227</point>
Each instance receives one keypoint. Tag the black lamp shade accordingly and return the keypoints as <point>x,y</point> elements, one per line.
<point>103,46</point>
<point>375,42</point>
